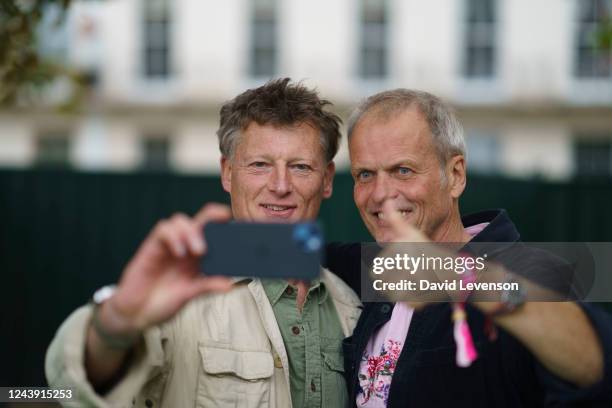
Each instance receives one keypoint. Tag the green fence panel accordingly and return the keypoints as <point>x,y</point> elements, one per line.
<point>63,234</point>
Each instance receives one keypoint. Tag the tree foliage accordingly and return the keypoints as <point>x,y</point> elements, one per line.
<point>24,71</point>
<point>604,35</point>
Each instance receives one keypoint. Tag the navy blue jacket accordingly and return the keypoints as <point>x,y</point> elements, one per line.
<point>505,374</point>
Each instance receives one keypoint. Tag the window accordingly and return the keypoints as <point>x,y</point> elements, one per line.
<point>373,39</point>
<point>156,152</point>
<point>593,156</point>
<point>157,26</point>
<point>52,34</point>
<point>482,152</point>
<point>264,47</point>
<point>480,39</point>
<point>52,150</point>
<point>592,59</point>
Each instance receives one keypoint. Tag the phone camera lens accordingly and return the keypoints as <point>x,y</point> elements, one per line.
<point>308,237</point>
<point>301,233</point>
<point>313,244</point>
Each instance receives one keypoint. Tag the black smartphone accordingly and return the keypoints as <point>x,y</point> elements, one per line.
<point>263,250</point>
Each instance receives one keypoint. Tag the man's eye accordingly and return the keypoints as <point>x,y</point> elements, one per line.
<point>403,171</point>
<point>259,164</point>
<point>302,167</point>
<point>364,175</point>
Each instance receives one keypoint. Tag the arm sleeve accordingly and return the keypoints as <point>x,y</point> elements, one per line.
<point>562,393</point>
<point>65,368</point>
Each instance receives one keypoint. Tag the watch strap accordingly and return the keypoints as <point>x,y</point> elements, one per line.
<point>112,340</point>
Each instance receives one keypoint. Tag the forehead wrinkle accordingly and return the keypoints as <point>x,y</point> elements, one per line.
<point>404,141</point>
<point>394,152</point>
<point>294,141</point>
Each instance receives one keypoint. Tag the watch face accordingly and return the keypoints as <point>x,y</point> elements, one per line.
<point>103,294</point>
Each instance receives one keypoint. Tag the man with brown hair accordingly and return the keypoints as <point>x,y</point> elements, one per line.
<point>154,341</point>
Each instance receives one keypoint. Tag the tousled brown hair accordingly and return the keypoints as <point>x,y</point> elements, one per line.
<point>279,103</point>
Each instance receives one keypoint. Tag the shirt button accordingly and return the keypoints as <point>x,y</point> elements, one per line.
<point>295,330</point>
<point>385,308</point>
<point>149,403</point>
<point>313,387</point>
<point>289,290</point>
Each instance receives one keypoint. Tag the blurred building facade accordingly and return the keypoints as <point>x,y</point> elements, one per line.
<point>532,88</point>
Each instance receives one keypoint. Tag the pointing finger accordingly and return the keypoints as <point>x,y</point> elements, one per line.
<point>398,225</point>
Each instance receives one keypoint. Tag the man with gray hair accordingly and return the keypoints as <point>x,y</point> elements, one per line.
<point>408,163</point>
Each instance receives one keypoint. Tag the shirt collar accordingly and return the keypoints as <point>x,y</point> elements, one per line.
<point>275,288</point>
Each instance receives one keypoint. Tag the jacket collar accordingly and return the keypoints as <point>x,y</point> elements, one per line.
<point>500,228</point>
<point>500,231</point>
<point>338,290</point>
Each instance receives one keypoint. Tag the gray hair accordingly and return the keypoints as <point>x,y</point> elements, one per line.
<point>446,131</point>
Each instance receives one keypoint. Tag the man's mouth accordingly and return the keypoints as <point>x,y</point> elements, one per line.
<point>381,216</point>
<point>278,210</point>
<point>276,207</point>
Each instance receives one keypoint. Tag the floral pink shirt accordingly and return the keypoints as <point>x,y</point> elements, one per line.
<point>380,357</point>
<point>384,348</point>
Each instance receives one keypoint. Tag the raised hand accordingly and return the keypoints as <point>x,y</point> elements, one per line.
<point>402,230</point>
<point>164,275</point>
<point>406,239</point>
<point>158,281</point>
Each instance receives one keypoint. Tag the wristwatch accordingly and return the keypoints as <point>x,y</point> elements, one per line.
<point>103,294</point>
<point>510,300</point>
<point>111,340</point>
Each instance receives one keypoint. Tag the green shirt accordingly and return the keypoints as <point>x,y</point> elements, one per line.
<point>313,340</point>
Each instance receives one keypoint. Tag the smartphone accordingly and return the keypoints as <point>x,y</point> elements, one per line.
<point>263,250</point>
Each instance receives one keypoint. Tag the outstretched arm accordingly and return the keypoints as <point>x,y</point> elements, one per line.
<point>559,334</point>
<point>158,281</point>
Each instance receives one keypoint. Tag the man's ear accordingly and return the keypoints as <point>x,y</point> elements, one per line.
<point>226,174</point>
<point>456,175</point>
<point>328,179</point>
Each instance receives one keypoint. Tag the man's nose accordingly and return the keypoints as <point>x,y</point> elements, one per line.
<point>383,189</point>
<point>280,180</point>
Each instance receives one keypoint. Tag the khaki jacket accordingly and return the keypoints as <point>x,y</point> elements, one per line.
<point>222,350</point>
